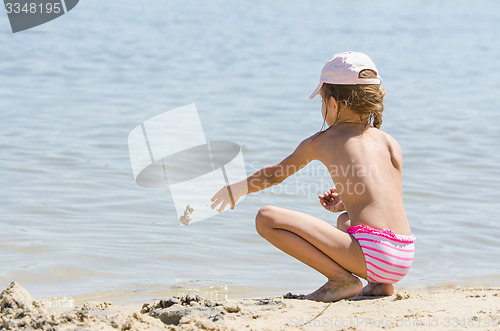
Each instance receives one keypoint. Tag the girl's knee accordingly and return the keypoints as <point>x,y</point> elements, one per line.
<point>264,219</point>
<point>343,222</point>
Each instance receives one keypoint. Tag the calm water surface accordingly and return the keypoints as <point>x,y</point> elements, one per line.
<point>74,222</point>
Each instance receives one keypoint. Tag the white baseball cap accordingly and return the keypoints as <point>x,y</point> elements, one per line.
<point>344,68</point>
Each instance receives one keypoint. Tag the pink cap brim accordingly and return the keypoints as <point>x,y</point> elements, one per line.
<point>316,91</point>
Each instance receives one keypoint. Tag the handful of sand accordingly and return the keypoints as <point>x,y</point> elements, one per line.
<point>186,218</point>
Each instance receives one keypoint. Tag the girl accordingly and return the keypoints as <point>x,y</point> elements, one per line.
<point>372,239</point>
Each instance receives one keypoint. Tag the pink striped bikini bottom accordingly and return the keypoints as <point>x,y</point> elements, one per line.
<point>388,256</point>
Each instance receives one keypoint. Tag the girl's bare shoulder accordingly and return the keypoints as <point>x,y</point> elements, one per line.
<point>394,149</point>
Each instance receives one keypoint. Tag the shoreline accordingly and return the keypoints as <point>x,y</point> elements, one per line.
<point>133,299</point>
<point>408,309</point>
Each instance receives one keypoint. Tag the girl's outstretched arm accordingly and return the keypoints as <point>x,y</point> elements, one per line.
<point>265,177</point>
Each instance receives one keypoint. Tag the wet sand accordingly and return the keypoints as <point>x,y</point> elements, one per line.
<point>426,308</point>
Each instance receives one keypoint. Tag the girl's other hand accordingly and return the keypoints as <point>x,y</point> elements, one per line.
<point>330,200</point>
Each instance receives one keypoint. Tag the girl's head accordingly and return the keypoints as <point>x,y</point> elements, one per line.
<point>351,91</point>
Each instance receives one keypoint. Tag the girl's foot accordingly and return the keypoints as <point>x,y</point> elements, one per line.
<point>376,289</point>
<point>335,290</point>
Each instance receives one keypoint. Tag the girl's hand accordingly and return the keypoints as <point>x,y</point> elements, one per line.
<point>330,200</point>
<point>228,195</point>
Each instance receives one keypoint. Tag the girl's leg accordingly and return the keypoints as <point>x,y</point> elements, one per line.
<point>371,289</point>
<point>318,244</point>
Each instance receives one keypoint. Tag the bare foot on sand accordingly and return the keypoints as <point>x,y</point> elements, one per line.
<point>335,290</point>
<point>376,289</point>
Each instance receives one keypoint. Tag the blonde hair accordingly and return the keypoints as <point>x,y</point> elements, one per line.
<point>361,99</point>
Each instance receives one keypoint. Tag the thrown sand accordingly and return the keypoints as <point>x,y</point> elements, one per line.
<point>425,309</point>
<point>186,218</point>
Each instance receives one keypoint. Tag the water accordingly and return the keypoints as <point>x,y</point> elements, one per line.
<point>74,222</point>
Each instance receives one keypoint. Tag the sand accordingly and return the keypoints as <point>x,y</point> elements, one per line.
<point>186,218</point>
<point>416,309</point>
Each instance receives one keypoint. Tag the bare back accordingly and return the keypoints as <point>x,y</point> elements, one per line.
<point>366,167</point>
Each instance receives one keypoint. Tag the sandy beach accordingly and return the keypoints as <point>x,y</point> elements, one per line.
<point>445,308</point>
